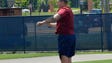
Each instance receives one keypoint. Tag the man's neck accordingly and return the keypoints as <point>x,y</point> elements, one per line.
<point>64,6</point>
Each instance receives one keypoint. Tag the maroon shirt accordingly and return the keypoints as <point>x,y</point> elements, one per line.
<point>66,24</point>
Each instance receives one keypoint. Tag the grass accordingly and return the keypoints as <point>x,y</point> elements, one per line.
<point>94,52</point>
<point>99,61</point>
<point>36,13</point>
<point>27,55</point>
<point>32,55</point>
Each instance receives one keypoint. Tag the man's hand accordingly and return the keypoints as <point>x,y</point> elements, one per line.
<point>40,23</point>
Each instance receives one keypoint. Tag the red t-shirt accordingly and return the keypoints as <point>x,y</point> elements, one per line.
<point>66,23</point>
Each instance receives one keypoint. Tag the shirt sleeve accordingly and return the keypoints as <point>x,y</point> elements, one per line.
<point>62,12</point>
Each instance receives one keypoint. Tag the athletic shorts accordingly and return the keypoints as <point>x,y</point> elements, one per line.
<point>66,45</point>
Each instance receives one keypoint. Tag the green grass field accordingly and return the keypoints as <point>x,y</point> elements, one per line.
<point>32,55</point>
<point>27,55</point>
<point>99,61</point>
<point>94,52</point>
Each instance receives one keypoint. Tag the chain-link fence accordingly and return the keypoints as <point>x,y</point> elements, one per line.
<point>93,32</point>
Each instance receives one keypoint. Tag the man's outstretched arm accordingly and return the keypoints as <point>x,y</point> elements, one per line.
<point>54,18</point>
<point>52,25</point>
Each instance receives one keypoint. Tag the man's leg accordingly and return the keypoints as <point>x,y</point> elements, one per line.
<point>70,60</point>
<point>65,59</point>
<point>66,48</point>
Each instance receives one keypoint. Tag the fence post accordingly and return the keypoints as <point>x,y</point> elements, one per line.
<point>35,35</point>
<point>23,22</point>
<point>102,42</point>
<point>106,31</point>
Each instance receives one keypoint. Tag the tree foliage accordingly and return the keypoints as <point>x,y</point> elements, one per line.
<point>96,3</point>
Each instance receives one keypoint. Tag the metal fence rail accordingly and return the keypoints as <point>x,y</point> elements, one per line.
<point>93,32</point>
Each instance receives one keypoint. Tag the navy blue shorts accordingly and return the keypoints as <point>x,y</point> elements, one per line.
<point>66,45</point>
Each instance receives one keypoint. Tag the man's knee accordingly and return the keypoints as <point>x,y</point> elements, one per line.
<point>65,59</point>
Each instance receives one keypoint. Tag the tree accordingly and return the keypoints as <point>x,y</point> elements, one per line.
<point>96,3</point>
<point>72,3</point>
<point>22,3</point>
<point>3,3</point>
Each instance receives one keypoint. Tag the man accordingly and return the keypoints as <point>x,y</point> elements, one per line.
<point>64,30</point>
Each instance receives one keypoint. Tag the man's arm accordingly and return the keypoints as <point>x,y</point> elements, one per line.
<point>55,18</point>
<point>52,25</point>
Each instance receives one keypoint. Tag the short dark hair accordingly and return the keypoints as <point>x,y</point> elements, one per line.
<point>66,1</point>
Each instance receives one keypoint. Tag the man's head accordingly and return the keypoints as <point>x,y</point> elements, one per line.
<point>62,3</point>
